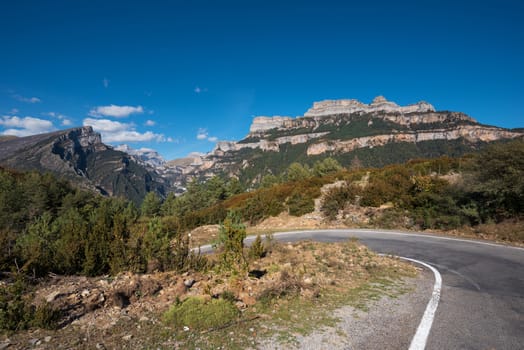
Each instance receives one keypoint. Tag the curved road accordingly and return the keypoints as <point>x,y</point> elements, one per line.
<point>482,300</point>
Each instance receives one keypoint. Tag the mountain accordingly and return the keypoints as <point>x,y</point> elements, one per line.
<point>79,155</point>
<point>146,156</point>
<point>378,134</point>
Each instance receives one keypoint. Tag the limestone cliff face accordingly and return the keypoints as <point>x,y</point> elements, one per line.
<point>470,133</point>
<point>379,104</point>
<point>334,127</point>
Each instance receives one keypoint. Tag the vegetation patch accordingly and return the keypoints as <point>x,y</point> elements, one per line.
<point>198,314</point>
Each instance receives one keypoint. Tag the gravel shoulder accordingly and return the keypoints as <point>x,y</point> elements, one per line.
<point>387,323</point>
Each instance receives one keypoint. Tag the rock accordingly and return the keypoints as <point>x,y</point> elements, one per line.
<point>85,293</point>
<point>100,346</point>
<point>186,328</point>
<point>51,297</point>
<point>33,341</point>
<point>94,301</point>
<point>127,337</point>
<point>5,345</point>
<point>144,319</point>
<point>48,339</point>
<point>149,287</point>
<point>180,288</point>
<point>189,282</point>
<point>308,281</point>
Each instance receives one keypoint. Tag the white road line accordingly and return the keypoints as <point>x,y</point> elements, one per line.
<point>421,336</point>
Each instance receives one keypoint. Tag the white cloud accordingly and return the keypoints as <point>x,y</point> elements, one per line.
<point>64,120</point>
<point>25,126</point>
<point>26,99</point>
<point>113,131</point>
<point>115,111</point>
<point>14,111</point>
<point>106,125</point>
<point>105,82</point>
<point>150,122</point>
<point>133,136</point>
<point>202,134</point>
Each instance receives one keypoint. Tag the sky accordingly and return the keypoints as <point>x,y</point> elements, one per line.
<point>178,76</point>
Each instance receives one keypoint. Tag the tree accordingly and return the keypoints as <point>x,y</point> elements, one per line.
<point>36,245</point>
<point>72,232</point>
<point>326,166</point>
<point>497,179</point>
<point>231,243</point>
<point>216,190</point>
<point>268,181</point>
<point>234,187</point>
<point>151,205</point>
<point>156,245</point>
<point>297,172</point>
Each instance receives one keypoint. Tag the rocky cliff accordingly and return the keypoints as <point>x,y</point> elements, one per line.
<point>79,155</point>
<point>339,128</point>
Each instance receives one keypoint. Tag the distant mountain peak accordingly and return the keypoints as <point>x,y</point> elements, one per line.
<point>144,155</point>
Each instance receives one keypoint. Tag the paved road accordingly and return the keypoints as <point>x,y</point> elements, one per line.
<point>482,300</point>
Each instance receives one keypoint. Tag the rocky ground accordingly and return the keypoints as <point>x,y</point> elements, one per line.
<point>304,282</point>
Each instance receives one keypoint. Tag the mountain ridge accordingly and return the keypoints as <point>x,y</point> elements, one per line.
<point>79,155</point>
<point>338,128</point>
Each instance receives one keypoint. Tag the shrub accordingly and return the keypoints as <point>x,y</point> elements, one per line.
<point>287,286</point>
<point>199,314</point>
<point>231,243</point>
<point>337,198</point>
<point>300,204</point>
<point>45,316</point>
<point>17,313</point>
<point>257,249</point>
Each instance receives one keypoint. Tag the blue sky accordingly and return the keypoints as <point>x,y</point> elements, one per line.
<point>179,75</point>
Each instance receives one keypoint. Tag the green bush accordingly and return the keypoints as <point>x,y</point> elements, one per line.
<point>230,244</point>
<point>337,198</point>
<point>300,204</point>
<point>17,313</point>
<point>199,314</point>
<point>45,316</point>
<point>257,249</point>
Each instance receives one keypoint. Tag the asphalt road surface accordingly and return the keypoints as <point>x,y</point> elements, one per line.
<point>482,299</point>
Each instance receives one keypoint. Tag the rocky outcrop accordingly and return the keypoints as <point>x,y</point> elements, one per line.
<point>265,145</point>
<point>261,124</point>
<point>470,133</point>
<point>379,104</point>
